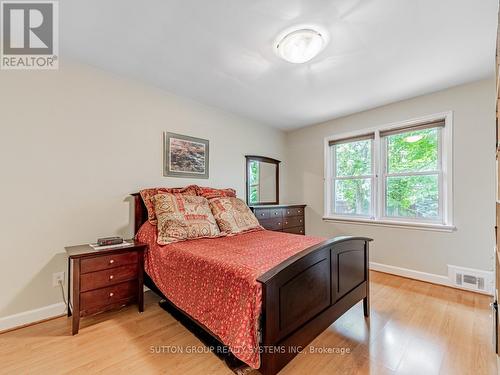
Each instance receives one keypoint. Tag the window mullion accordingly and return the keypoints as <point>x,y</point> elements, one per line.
<point>333,172</point>
<point>441,197</point>
<point>376,177</point>
<point>382,153</point>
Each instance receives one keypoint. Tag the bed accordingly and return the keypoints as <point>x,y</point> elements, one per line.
<point>289,291</point>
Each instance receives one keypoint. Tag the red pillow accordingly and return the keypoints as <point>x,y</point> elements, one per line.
<point>211,193</point>
<point>147,194</point>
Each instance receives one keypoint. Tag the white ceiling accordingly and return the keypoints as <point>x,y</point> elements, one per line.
<point>221,52</point>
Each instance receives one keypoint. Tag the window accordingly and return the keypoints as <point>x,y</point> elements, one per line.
<point>412,173</point>
<point>353,178</point>
<point>254,181</point>
<point>399,174</point>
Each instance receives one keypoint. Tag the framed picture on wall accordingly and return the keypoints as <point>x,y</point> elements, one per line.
<point>185,156</point>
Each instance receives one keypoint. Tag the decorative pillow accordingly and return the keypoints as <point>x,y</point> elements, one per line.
<point>183,217</point>
<point>211,193</point>
<point>233,216</point>
<point>147,194</point>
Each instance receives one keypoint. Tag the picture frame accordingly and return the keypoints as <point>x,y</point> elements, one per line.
<point>185,156</point>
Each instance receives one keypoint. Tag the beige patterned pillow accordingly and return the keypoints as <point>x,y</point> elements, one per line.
<point>183,217</point>
<point>233,216</point>
<point>147,194</point>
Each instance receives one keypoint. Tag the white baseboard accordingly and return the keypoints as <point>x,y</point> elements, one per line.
<point>411,274</point>
<point>58,309</point>
<point>417,275</point>
<point>32,316</point>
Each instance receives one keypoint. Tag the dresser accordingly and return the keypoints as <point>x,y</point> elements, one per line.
<point>101,280</point>
<point>289,218</point>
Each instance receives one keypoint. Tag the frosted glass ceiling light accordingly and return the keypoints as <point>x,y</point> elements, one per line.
<point>300,46</point>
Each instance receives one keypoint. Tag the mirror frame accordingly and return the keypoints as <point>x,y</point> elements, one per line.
<point>265,159</point>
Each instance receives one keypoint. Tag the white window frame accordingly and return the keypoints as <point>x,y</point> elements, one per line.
<point>377,217</point>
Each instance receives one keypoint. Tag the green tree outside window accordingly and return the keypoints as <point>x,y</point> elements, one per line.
<point>254,182</point>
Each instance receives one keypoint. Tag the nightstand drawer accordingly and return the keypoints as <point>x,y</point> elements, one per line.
<point>293,221</point>
<point>294,230</point>
<point>108,296</point>
<point>109,261</point>
<point>293,211</point>
<point>272,224</point>
<point>100,279</point>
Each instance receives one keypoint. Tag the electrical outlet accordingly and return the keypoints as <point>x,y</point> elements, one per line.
<point>56,277</point>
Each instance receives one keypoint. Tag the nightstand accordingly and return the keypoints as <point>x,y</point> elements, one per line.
<point>101,280</point>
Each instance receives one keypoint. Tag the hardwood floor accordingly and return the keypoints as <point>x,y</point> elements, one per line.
<point>415,328</point>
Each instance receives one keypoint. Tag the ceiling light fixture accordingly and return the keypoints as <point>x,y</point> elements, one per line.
<point>301,45</point>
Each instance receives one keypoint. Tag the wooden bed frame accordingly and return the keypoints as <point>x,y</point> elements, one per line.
<point>303,295</point>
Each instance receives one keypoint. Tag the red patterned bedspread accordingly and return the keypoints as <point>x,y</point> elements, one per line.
<point>214,280</point>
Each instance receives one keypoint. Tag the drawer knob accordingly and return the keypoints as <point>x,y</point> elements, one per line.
<point>111,277</point>
<point>288,212</point>
<point>276,213</point>
<point>300,221</point>
<point>298,211</point>
<point>261,214</point>
<point>286,222</point>
<point>279,223</point>
<point>111,261</point>
<point>111,294</point>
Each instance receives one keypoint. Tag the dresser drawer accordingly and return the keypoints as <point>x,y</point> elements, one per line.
<point>268,213</point>
<point>272,223</point>
<point>275,213</point>
<point>107,296</point>
<point>294,230</point>
<point>112,276</point>
<point>293,221</point>
<point>109,261</point>
<point>293,211</point>
<point>261,213</point>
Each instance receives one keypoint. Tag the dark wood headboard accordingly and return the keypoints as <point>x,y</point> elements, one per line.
<point>140,212</point>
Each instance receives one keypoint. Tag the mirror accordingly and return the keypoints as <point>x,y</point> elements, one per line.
<point>262,175</point>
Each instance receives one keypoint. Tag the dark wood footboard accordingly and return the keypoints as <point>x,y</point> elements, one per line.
<point>307,293</point>
<point>302,296</point>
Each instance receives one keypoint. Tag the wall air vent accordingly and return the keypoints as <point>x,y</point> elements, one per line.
<point>471,279</point>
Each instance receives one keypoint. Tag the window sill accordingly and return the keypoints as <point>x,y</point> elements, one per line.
<point>391,224</point>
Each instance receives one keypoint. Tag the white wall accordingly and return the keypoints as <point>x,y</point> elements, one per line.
<point>474,181</point>
<point>74,143</point>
